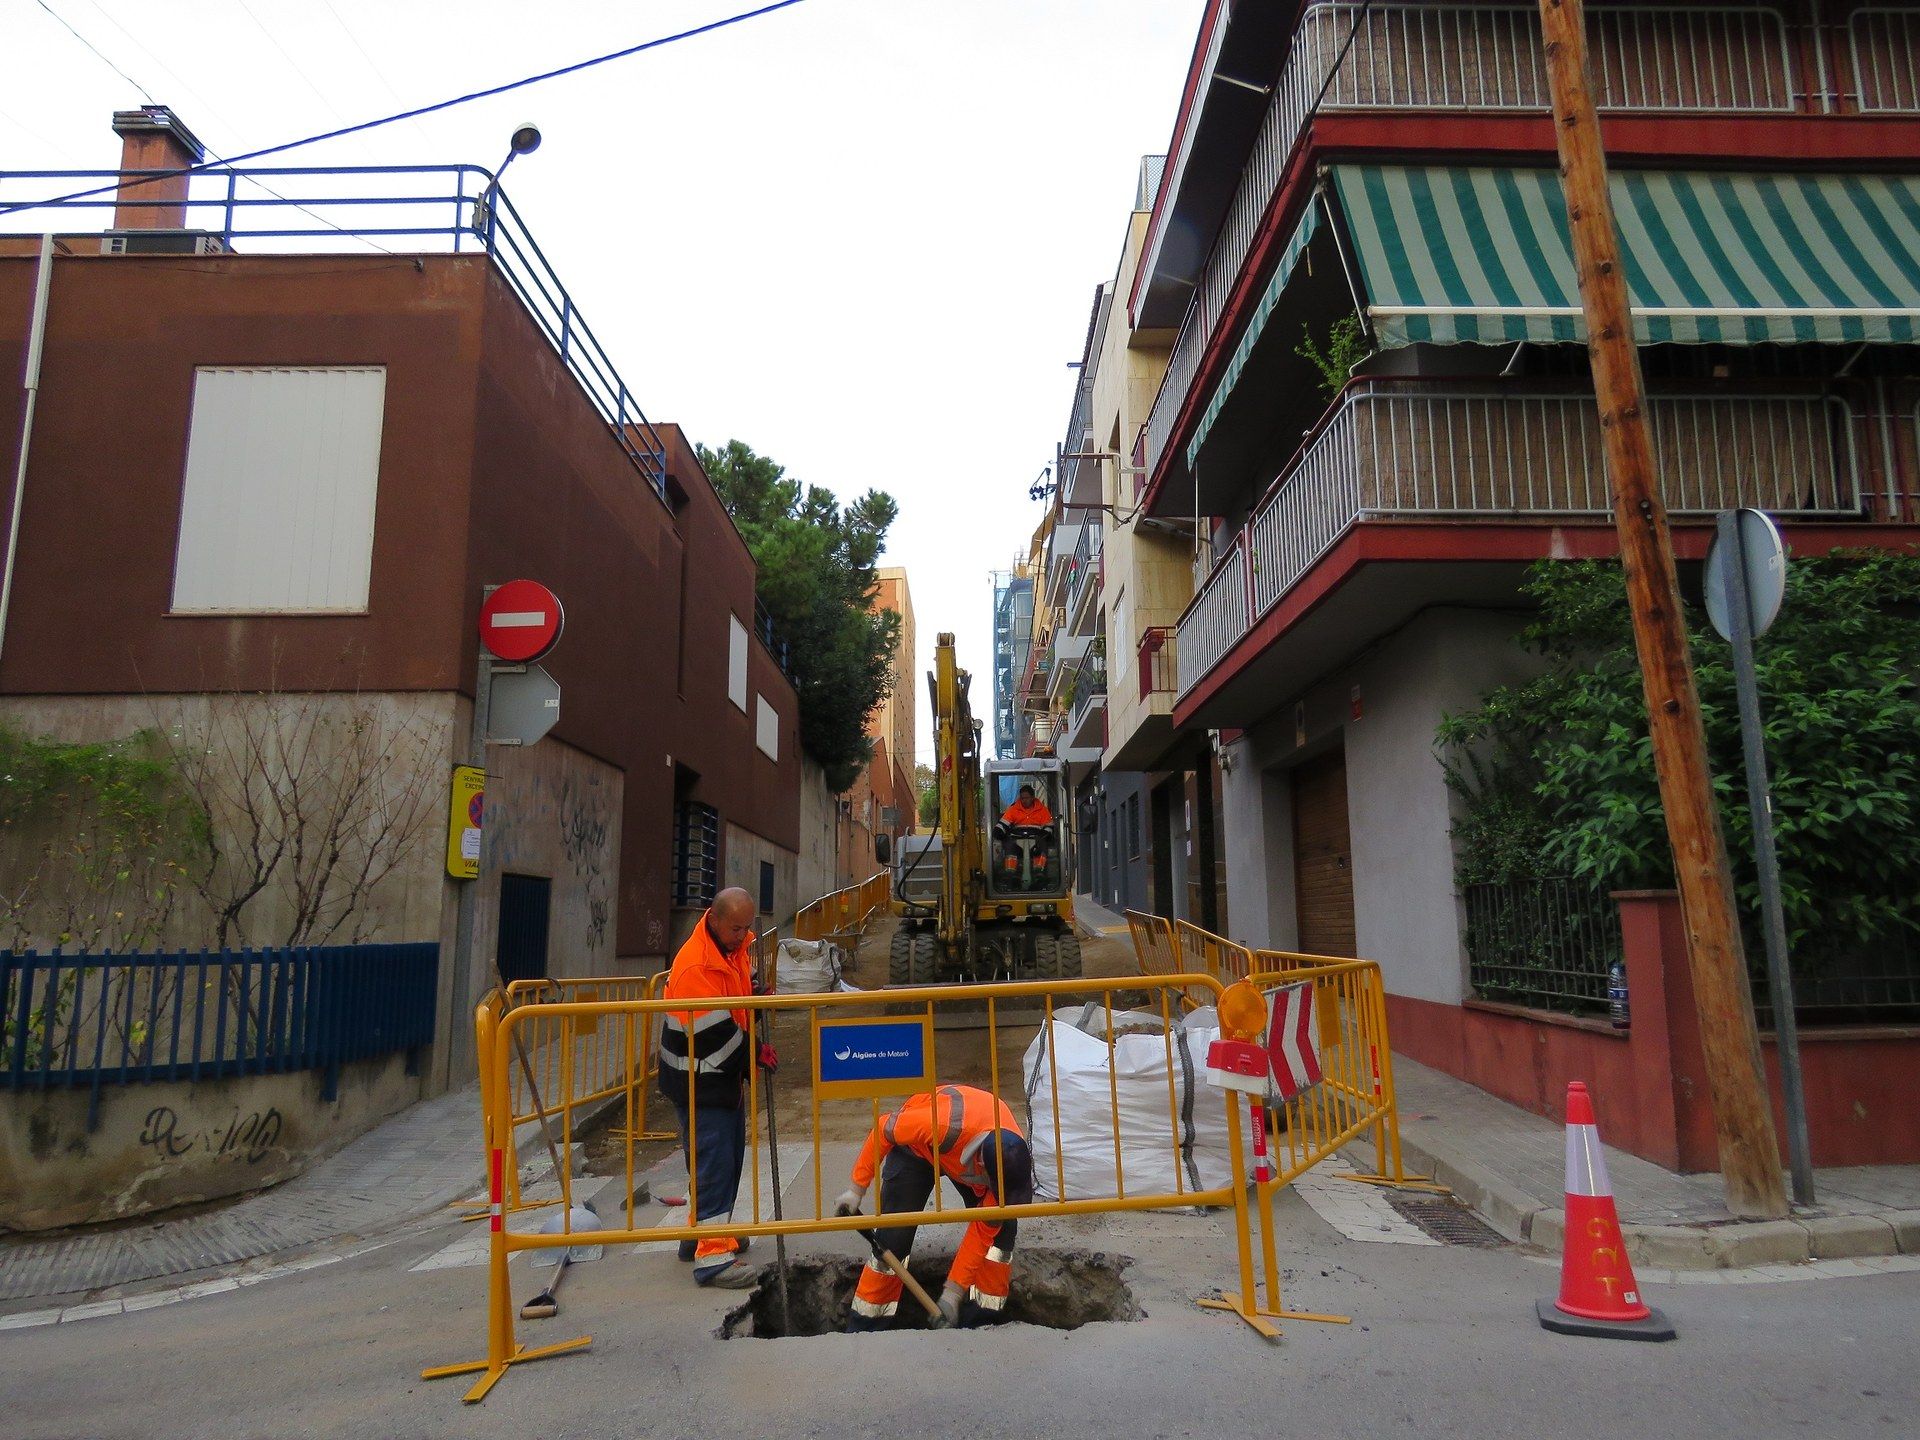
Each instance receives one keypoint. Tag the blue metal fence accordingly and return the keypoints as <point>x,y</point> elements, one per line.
<point>333,209</point>
<point>68,1021</point>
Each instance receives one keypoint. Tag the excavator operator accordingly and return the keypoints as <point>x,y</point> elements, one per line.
<point>1027,809</point>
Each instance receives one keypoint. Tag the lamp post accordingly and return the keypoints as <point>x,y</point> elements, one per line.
<point>524,141</point>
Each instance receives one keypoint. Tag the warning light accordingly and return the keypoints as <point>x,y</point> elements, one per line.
<point>1236,1061</point>
<point>1243,1012</point>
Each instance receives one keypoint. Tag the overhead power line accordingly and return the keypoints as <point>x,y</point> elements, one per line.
<point>97,53</point>
<point>415,114</point>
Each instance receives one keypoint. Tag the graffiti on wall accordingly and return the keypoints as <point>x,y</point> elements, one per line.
<point>250,1137</point>
<point>584,827</point>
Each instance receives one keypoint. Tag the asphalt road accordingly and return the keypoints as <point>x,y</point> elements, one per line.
<point>1443,1341</point>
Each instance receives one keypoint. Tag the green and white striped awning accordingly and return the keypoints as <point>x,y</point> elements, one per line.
<point>1257,323</point>
<point>1454,254</point>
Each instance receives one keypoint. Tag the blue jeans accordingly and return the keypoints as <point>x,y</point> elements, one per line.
<point>720,1135</point>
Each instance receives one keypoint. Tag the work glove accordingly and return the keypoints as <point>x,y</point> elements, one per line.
<point>950,1299</point>
<point>769,1058</point>
<point>850,1201</point>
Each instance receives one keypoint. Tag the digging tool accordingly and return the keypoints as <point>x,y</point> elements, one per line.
<point>545,1306</point>
<point>935,1320</point>
<point>779,1240</point>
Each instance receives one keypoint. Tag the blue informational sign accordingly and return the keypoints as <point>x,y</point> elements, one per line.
<point>874,1057</point>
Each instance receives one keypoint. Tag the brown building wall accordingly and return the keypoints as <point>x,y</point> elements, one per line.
<point>101,517</point>
<point>492,465</point>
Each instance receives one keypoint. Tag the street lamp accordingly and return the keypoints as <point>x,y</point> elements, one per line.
<point>524,141</point>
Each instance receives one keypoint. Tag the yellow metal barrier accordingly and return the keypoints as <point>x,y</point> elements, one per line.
<point>844,913</point>
<point>627,1020</point>
<point>1355,1096</point>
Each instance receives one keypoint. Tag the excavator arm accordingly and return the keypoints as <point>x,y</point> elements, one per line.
<point>956,742</point>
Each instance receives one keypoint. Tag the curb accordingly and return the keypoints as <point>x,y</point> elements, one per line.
<point>1737,1245</point>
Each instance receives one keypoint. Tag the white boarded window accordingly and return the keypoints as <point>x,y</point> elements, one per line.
<point>767,729</point>
<point>736,661</point>
<point>282,465</point>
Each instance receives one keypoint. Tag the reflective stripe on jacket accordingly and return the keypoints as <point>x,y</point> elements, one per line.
<point>713,1042</point>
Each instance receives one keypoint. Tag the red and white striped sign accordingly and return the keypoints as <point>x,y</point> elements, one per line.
<point>1293,1040</point>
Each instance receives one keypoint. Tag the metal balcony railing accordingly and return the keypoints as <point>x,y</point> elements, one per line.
<point>1158,672</point>
<point>1089,694</point>
<point>1083,570</point>
<point>347,210</point>
<point>1476,59</point>
<point>1420,448</point>
<point>1884,49</point>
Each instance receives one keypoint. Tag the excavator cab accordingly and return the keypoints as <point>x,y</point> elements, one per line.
<point>1026,853</point>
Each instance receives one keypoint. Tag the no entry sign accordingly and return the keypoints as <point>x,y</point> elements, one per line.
<point>520,621</point>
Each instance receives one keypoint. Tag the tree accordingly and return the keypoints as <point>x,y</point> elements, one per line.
<point>818,577</point>
<point>311,804</point>
<point>1557,774</point>
<point>926,786</point>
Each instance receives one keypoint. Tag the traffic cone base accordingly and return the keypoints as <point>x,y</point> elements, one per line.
<point>1655,1326</point>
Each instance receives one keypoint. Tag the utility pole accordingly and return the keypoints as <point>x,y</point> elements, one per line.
<point>1742,1116</point>
<point>461,1036</point>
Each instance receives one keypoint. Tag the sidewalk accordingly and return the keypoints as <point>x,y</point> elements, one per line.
<point>420,1160</point>
<point>1095,921</point>
<point>1509,1165</point>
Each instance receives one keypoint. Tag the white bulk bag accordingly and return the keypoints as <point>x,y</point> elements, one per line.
<point>1152,1141</point>
<point>806,967</point>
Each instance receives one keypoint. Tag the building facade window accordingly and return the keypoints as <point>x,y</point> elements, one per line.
<point>766,887</point>
<point>767,729</point>
<point>1133,828</point>
<point>737,662</point>
<point>696,853</point>
<point>277,509</point>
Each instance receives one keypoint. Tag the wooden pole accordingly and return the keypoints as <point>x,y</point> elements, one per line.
<point>1742,1117</point>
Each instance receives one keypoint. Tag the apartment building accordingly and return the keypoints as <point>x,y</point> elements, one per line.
<point>1367,530</point>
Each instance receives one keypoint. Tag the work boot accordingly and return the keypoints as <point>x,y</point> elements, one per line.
<point>858,1324</point>
<point>734,1277</point>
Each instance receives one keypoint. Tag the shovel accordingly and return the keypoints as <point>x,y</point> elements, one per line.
<point>545,1306</point>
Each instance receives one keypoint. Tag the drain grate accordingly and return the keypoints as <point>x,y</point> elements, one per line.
<point>1447,1221</point>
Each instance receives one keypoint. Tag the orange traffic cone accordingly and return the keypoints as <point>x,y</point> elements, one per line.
<point>1598,1294</point>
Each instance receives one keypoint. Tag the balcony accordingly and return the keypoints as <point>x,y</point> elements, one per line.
<point>1087,709</point>
<point>1084,578</point>
<point>1159,673</point>
<point>1487,59</point>
<point>1443,453</point>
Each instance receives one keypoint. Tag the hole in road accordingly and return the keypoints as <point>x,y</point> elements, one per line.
<point>1060,1289</point>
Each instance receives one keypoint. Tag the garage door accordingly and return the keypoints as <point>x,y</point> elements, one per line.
<point>1323,856</point>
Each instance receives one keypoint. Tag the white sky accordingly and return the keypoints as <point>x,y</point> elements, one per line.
<point>860,235</point>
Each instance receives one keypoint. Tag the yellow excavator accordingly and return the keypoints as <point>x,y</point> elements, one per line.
<point>989,894</point>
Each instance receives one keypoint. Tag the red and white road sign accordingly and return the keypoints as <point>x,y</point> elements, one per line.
<point>520,621</point>
<point>1293,1040</point>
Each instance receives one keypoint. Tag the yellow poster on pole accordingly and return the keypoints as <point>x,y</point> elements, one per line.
<point>464,810</point>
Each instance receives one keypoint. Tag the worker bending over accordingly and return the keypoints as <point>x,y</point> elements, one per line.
<point>972,1139</point>
<point>717,1046</point>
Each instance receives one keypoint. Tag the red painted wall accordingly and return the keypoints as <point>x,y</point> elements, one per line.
<point>1649,1084</point>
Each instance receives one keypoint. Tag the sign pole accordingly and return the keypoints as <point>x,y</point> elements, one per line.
<point>1786,1026</point>
<point>1729,1040</point>
<point>469,901</point>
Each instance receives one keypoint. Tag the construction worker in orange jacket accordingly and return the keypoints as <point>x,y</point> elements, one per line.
<point>1027,809</point>
<point>704,1056</point>
<point>971,1138</point>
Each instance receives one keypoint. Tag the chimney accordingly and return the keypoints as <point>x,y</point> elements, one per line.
<point>152,138</point>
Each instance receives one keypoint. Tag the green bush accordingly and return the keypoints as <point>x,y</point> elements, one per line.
<point>1557,774</point>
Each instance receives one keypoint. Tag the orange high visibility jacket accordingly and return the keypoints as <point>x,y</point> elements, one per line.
<point>716,1044</point>
<point>960,1118</point>
<point>1035,814</point>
